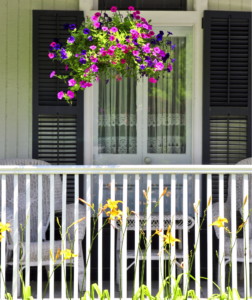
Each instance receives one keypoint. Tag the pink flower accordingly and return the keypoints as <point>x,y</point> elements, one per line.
<point>112,47</point>
<point>152,33</point>
<point>156,49</point>
<point>52,74</point>
<point>124,47</point>
<point>159,66</point>
<point>66,67</point>
<point>149,27</point>
<point>138,12</point>
<point>94,18</point>
<point>53,44</point>
<point>133,31</point>
<point>93,59</point>
<point>110,52</point>
<point>113,62</point>
<point>71,82</point>
<point>51,55</point>
<point>131,8</point>
<point>135,52</point>
<point>97,14</point>
<point>145,26</point>
<point>152,80</point>
<point>83,84</point>
<point>113,9</point>
<point>139,25</point>
<point>170,67</point>
<point>93,47</point>
<point>137,17</point>
<point>60,95</point>
<point>134,14</point>
<point>89,84</point>
<point>70,94</point>
<point>119,45</point>
<point>87,70</point>
<point>104,28</point>
<point>123,61</point>
<point>114,29</point>
<point>94,68</point>
<point>111,38</point>
<point>128,40</point>
<point>143,36</point>
<point>97,78</point>
<point>143,19</point>
<point>96,24</point>
<point>118,77</point>
<point>104,53</point>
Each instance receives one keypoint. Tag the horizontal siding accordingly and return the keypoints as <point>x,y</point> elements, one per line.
<point>233,5</point>
<point>16,73</point>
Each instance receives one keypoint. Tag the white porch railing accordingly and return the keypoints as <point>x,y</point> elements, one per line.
<point>136,170</point>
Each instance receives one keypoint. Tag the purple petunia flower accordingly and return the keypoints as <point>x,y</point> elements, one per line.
<point>173,46</point>
<point>107,81</point>
<point>138,59</point>
<point>52,74</point>
<point>82,60</point>
<point>153,41</point>
<point>159,37</point>
<point>83,52</point>
<point>90,38</point>
<point>71,39</point>
<point>150,63</point>
<point>60,95</point>
<point>66,26</point>
<point>76,55</point>
<point>57,47</point>
<point>71,82</point>
<point>161,32</point>
<point>72,26</point>
<point>51,48</point>
<point>169,32</point>
<point>168,42</point>
<point>70,94</point>
<point>172,61</point>
<point>63,54</point>
<point>142,67</point>
<point>86,31</point>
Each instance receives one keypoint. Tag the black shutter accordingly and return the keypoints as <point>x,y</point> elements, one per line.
<point>57,126</point>
<point>144,4</point>
<point>226,89</point>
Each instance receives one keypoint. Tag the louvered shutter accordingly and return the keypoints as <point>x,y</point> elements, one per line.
<point>57,126</point>
<point>226,89</point>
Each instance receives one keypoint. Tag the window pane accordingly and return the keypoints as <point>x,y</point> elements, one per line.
<point>117,131</point>
<point>167,106</point>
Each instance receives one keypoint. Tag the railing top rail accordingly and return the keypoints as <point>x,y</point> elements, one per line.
<point>127,169</point>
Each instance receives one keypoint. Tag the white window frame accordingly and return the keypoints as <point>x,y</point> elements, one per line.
<point>159,18</point>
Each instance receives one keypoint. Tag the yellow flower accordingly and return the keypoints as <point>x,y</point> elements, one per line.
<point>5,227</point>
<point>115,214</point>
<point>57,255</point>
<point>51,255</point>
<point>164,192</point>
<point>85,202</point>
<point>209,201</point>
<point>112,204</point>
<point>241,226</point>
<point>220,222</point>
<point>78,221</point>
<point>67,254</point>
<point>168,238</point>
<point>1,236</point>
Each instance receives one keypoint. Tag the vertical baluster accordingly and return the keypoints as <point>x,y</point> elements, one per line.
<point>100,223</point>
<point>222,232</point>
<point>15,237</point>
<point>185,231</point>
<point>124,250</point>
<point>137,232</point>
<point>233,230</point>
<point>3,245</point>
<point>52,238</point>
<point>40,230</point>
<point>76,230</point>
<point>161,226</point>
<point>28,230</point>
<point>209,238</point>
<point>197,236</point>
<point>63,230</point>
<point>246,236</point>
<point>173,228</point>
<point>112,245</point>
<point>148,236</point>
<point>88,232</point>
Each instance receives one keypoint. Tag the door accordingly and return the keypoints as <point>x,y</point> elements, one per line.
<point>145,123</point>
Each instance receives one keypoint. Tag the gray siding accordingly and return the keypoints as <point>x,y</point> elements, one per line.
<point>235,5</point>
<point>16,72</point>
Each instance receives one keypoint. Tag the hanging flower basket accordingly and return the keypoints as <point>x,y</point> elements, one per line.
<point>105,47</point>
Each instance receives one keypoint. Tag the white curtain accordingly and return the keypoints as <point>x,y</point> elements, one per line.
<point>167,106</point>
<point>117,116</point>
